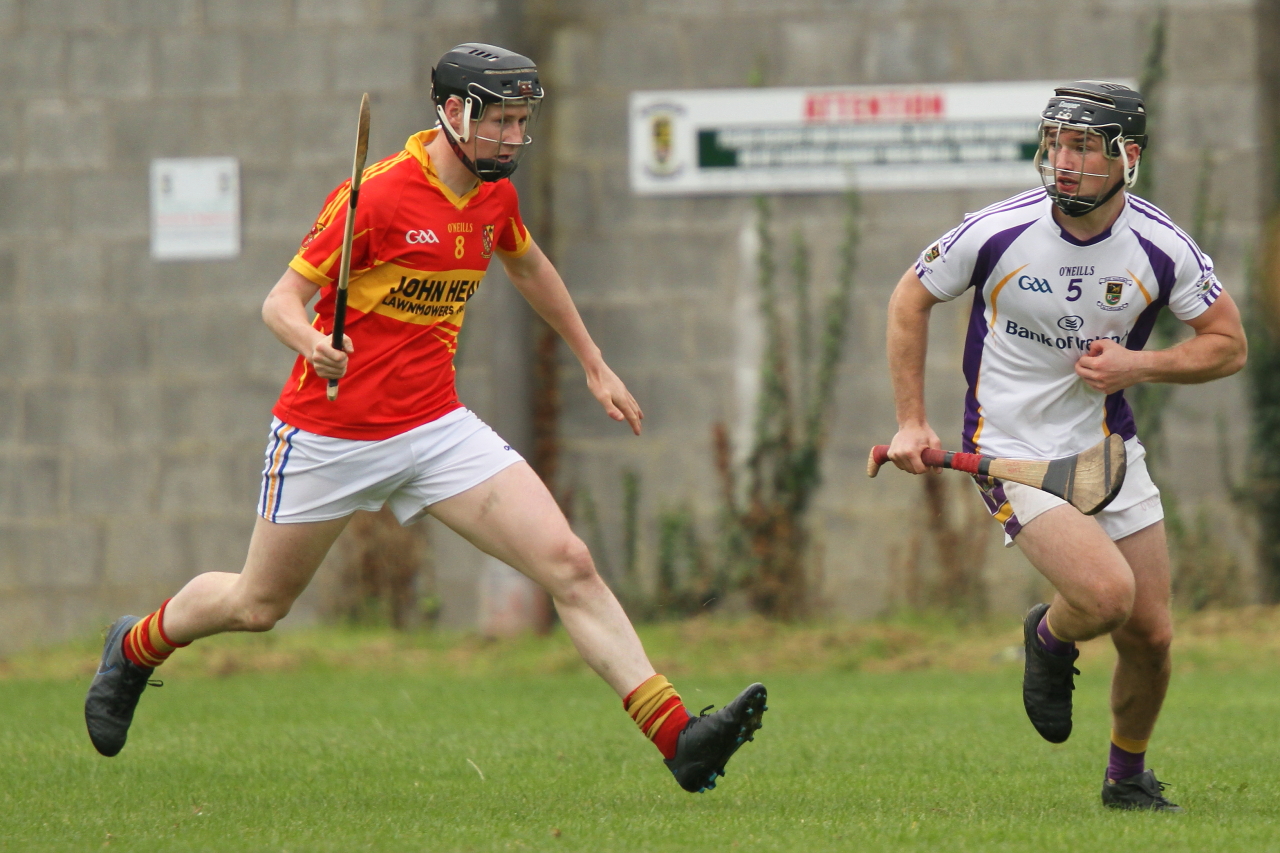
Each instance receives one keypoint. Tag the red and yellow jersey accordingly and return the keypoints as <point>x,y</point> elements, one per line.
<point>419,253</point>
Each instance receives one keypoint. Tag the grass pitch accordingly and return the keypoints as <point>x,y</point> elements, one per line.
<point>450,751</point>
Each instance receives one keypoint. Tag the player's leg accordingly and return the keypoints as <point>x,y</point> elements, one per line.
<point>282,559</point>
<point>1141,676</point>
<point>513,517</point>
<point>1143,666</point>
<point>1094,583</point>
<point>1094,595</point>
<point>311,485</point>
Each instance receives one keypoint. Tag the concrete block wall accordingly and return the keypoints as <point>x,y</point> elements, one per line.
<point>656,276</point>
<point>134,409</point>
<point>135,403</point>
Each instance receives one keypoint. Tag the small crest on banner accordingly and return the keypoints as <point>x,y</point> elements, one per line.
<point>663,160</point>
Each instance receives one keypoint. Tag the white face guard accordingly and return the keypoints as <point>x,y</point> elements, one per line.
<point>490,168</point>
<point>1078,136</point>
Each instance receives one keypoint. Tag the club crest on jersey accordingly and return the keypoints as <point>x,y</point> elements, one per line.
<point>1114,291</point>
<point>311,235</point>
<point>486,240</point>
<point>931,254</point>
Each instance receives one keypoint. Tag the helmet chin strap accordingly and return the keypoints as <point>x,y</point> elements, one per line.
<point>1075,206</point>
<point>487,169</point>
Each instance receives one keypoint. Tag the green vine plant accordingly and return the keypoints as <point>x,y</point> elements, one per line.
<point>1205,571</point>
<point>765,536</point>
<point>1262,322</point>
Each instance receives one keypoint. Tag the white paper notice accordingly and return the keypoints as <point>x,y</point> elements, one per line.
<point>195,208</point>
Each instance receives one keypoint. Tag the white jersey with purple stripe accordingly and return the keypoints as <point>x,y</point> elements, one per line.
<point>1040,298</point>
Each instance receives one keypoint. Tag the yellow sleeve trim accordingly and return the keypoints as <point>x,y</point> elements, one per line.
<point>310,273</point>
<point>524,240</point>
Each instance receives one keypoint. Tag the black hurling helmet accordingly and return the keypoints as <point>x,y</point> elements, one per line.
<point>1112,111</point>
<point>483,75</point>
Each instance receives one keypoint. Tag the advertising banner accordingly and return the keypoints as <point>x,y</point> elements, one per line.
<point>829,139</point>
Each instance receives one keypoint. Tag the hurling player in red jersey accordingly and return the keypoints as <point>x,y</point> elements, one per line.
<point>430,219</point>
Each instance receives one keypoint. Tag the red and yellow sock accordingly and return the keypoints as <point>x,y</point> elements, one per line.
<point>146,644</point>
<point>658,711</point>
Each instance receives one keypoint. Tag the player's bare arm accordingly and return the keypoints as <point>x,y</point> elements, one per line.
<point>908,344</point>
<point>536,278</point>
<point>285,313</point>
<point>1217,349</point>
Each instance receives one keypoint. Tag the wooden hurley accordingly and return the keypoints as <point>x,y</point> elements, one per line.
<point>1088,481</point>
<point>344,268</point>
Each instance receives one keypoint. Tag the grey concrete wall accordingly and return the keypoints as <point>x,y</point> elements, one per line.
<point>656,277</point>
<point>135,401</point>
<point>134,408</point>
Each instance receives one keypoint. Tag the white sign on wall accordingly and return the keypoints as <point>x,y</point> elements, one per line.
<point>829,139</point>
<point>195,208</point>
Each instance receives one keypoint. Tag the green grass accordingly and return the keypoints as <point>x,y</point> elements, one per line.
<point>315,756</point>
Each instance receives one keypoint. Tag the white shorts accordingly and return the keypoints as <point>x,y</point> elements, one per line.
<point>1135,508</point>
<point>311,477</point>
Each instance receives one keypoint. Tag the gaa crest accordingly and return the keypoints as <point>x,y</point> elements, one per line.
<point>1113,293</point>
<point>486,240</point>
<point>931,254</point>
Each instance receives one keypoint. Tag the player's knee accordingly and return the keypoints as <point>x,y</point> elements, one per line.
<point>1112,603</point>
<point>1155,644</point>
<point>575,571</point>
<point>1150,642</point>
<point>260,616</point>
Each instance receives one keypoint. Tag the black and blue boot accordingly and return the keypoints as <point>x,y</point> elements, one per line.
<point>708,741</point>
<point>1143,792</point>
<point>114,693</point>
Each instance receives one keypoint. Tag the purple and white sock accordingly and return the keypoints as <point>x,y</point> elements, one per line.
<point>1050,643</point>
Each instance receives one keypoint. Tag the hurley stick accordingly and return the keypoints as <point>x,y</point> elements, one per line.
<point>344,269</point>
<point>1088,481</point>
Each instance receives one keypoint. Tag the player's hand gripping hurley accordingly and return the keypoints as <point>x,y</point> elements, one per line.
<point>344,269</point>
<point>1088,481</point>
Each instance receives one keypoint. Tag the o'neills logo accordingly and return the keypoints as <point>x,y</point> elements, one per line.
<point>486,239</point>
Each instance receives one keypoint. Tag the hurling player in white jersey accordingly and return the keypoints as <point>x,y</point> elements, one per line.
<point>1067,281</point>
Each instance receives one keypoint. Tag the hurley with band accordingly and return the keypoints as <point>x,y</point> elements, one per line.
<point>429,221</point>
<point>1067,281</point>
